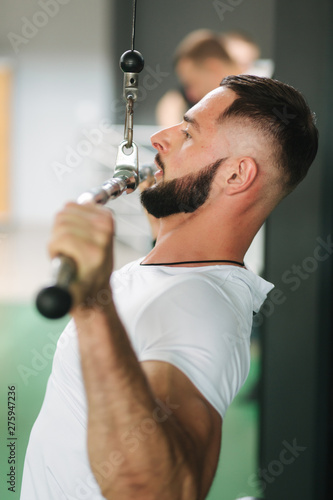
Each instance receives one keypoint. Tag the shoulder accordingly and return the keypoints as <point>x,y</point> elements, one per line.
<point>200,297</point>
<point>195,326</point>
<point>250,286</point>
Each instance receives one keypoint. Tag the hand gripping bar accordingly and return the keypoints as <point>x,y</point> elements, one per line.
<point>55,300</point>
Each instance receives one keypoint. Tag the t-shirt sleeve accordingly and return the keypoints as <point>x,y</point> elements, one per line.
<point>200,329</point>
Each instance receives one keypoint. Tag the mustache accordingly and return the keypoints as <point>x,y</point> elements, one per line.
<point>159,162</point>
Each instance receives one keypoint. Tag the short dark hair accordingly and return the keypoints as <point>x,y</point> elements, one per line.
<point>199,45</point>
<point>282,112</point>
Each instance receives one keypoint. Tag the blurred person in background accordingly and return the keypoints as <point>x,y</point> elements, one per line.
<point>242,49</point>
<point>200,62</point>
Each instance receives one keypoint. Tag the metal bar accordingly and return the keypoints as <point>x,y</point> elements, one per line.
<point>55,301</point>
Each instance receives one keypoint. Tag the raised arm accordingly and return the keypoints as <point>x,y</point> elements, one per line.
<point>151,433</point>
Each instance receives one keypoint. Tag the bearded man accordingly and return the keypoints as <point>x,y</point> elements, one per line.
<point>143,375</point>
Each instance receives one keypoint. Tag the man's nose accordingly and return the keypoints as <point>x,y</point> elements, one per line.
<point>162,140</point>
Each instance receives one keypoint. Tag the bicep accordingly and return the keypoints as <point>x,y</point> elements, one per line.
<point>195,418</point>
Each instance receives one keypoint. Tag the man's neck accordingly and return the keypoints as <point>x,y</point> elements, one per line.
<point>201,236</point>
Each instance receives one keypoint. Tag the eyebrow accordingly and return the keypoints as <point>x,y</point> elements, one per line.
<point>192,121</point>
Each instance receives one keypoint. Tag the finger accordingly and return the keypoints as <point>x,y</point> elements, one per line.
<point>75,226</point>
<point>90,217</point>
<point>92,211</point>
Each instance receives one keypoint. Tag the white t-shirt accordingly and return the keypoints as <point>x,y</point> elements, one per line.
<point>196,318</point>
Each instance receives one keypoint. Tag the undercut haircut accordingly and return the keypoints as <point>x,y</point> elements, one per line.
<point>282,113</point>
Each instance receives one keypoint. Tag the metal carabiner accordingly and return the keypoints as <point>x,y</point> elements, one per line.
<point>128,131</point>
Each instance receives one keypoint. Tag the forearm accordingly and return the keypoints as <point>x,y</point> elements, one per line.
<point>132,453</point>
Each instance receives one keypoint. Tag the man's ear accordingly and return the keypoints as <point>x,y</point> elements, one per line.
<point>242,176</point>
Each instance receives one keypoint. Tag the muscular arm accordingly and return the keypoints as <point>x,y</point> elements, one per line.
<point>151,434</point>
<point>146,420</point>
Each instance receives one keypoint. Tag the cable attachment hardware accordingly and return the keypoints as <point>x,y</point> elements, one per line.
<point>127,166</point>
<point>131,63</point>
<point>128,132</point>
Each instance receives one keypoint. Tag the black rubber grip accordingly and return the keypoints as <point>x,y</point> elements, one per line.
<point>54,302</point>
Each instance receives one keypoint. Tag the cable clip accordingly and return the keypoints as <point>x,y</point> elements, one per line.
<point>126,160</point>
<point>131,63</point>
<point>128,131</point>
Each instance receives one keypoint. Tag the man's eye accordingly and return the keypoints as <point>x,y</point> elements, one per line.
<point>186,134</point>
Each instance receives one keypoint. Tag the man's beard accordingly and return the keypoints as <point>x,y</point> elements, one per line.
<point>183,195</point>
